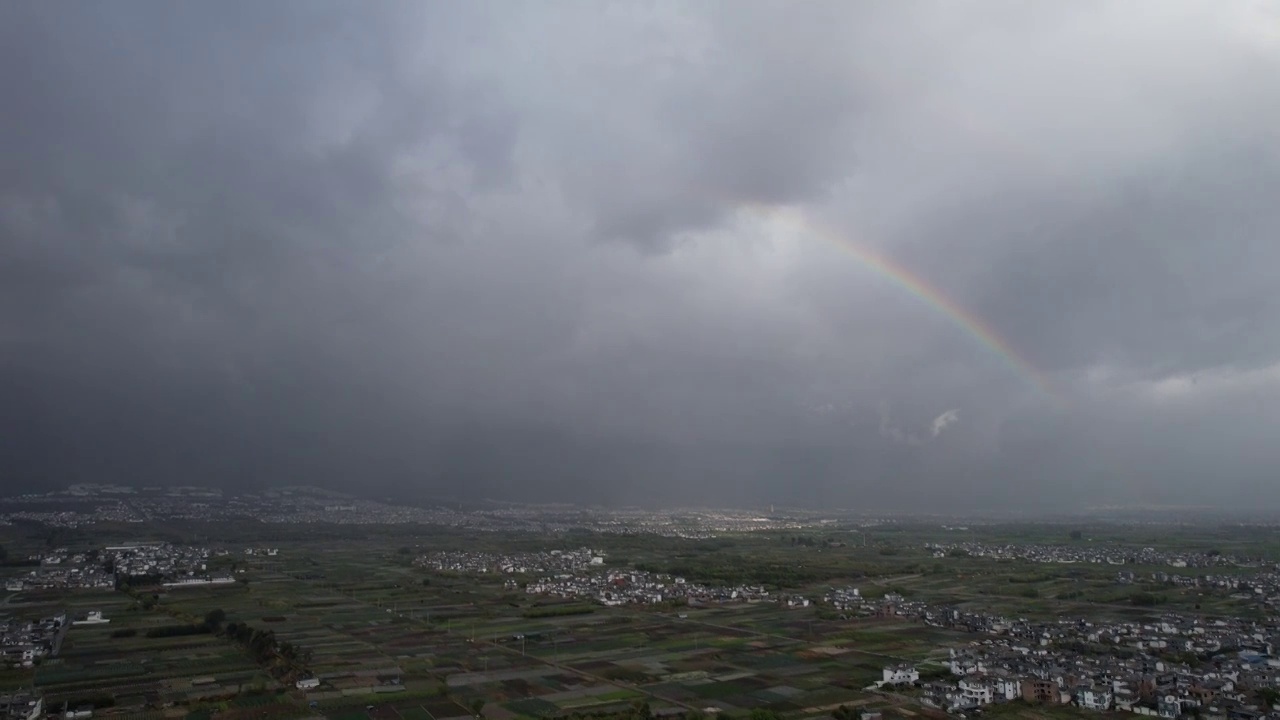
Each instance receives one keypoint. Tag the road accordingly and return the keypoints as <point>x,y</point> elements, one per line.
<point>900,578</point>
<point>62,635</point>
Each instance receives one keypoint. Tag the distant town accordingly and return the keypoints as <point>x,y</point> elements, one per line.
<point>103,504</point>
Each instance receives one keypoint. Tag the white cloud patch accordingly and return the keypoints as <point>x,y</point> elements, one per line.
<point>943,421</point>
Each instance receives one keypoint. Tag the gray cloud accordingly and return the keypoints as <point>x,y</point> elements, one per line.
<point>481,249</point>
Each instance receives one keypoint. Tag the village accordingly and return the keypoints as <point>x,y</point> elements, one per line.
<point>624,587</point>
<point>1097,554</point>
<point>166,563</point>
<point>1262,588</point>
<point>26,643</point>
<point>552,561</point>
<point>1171,666</point>
<point>21,706</point>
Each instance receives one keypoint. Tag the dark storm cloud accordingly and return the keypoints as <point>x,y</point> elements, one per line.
<point>530,251</point>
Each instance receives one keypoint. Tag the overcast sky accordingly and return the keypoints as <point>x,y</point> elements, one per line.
<point>624,252</point>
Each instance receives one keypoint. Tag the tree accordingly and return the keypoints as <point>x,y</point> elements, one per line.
<point>477,706</point>
<point>4,554</point>
<point>214,618</point>
<point>1143,599</point>
<point>1076,534</point>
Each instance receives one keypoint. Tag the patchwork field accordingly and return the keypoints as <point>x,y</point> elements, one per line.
<point>387,639</point>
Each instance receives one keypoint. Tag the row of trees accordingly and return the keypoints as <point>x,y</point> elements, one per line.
<point>282,659</point>
<point>844,712</point>
<point>559,610</point>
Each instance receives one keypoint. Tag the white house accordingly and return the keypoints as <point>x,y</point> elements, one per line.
<point>976,691</point>
<point>308,683</point>
<point>900,675</point>
<point>967,666</point>
<point>94,618</point>
<point>1008,688</point>
<point>1094,698</point>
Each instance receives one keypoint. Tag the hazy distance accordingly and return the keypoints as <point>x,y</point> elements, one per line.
<point>893,255</point>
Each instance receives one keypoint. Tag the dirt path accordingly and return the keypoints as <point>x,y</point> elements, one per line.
<point>900,578</point>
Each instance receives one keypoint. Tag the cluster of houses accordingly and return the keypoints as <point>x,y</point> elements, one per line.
<point>24,643</point>
<point>638,587</point>
<point>21,706</point>
<point>177,565</point>
<point>170,561</point>
<point>1142,684</point>
<point>844,598</point>
<point>1097,554</point>
<point>62,569</point>
<point>1261,587</point>
<point>1168,667</point>
<point>261,551</point>
<point>552,561</point>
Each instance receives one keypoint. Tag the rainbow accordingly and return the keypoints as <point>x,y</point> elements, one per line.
<point>902,277</point>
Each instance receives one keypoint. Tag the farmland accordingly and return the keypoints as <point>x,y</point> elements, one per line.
<point>386,638</point>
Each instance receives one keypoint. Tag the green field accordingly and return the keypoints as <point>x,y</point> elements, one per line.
<point>391,640</point>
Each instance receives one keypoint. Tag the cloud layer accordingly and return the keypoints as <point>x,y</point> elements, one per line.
<point>448,248</point>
